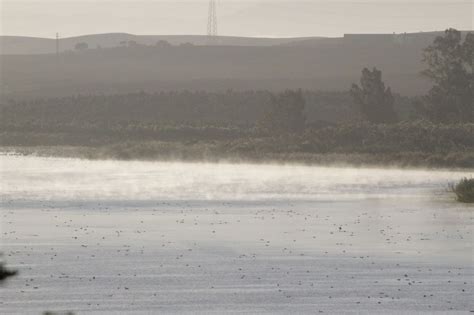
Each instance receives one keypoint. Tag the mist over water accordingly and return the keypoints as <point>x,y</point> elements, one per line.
<point>90,236</point>
<point>42,178</point>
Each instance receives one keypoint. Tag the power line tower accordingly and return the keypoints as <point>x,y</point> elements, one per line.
<point>212,19</point>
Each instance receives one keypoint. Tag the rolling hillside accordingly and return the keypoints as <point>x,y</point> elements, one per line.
<point>239,63</point>
<point>18,45</point>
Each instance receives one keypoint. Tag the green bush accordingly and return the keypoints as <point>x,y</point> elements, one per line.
<point>464,190</point>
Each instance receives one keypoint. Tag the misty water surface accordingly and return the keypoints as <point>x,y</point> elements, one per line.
<point>150,237</point>
<point>75,179</point>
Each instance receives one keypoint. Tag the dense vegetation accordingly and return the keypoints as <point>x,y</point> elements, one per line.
<point>375,101</point>
<point>450,62</point>
<point>233,125</point>
<point>366,125</point>
<point>406,143</point>
<point>464,190</point>
<point>237,108</point>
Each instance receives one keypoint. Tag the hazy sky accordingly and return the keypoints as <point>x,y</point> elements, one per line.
<point>273,18</point>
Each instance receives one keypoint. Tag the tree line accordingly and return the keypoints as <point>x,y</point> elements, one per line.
<point>449,65</point>
<point>243,109</point>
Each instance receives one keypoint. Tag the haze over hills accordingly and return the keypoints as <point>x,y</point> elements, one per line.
<point>111,65</point>
<point>19,45</point>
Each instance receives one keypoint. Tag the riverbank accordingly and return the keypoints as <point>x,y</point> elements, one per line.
<point>405,144</point>
<point>216,152</point>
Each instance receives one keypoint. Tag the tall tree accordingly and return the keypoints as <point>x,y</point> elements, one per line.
<point>449,63</point>
<point>286,114</point>
<point>374,100</point>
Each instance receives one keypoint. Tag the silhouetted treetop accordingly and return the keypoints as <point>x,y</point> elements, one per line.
<point>449,63</point>
<point>375,101</point>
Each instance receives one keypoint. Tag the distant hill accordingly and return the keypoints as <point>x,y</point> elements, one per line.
<point>18,45</point>
<point>230,63</point>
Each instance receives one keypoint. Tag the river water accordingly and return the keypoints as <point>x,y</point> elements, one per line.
<point>155,237</point>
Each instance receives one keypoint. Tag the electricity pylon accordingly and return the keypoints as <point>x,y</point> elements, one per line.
<point>212,19</point>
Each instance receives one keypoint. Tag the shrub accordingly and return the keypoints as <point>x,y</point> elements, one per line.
<point>464,190</point>
<point>6,273</point>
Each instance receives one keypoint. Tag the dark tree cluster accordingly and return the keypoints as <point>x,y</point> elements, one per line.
<point>450,62</point>
<point>375,101</point>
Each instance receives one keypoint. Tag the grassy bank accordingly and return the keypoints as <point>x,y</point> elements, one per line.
<point>163,151</point>
<point>417,144</point>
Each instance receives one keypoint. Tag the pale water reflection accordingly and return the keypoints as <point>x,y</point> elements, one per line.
<point>151,237</point>
<point>75,179</point>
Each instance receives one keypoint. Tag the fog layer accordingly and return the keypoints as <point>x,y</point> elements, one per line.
<point>75,179</point>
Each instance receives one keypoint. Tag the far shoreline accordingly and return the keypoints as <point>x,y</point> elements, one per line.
<point>405,160</point>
